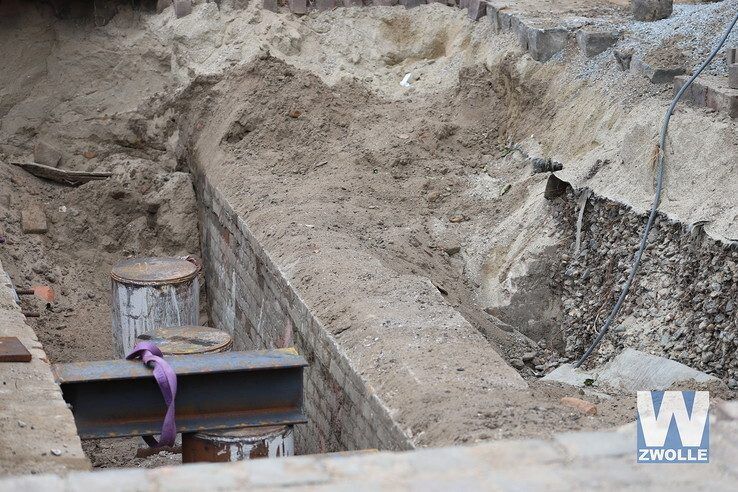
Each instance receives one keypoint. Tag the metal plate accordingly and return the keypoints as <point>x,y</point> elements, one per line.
<point>153,271</point>
<point>187,340</point>
<point>12,350</point>
<point>118,398</point>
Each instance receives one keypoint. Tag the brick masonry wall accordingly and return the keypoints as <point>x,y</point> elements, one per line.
<point>252,300</point>
<point>37,431</point>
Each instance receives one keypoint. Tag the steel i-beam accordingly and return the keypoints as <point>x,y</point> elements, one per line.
<point>229,390</point>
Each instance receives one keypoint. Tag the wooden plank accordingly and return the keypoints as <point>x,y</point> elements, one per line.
<point>73,178</point>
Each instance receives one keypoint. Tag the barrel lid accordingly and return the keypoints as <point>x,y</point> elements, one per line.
<point>188,340</point>
<point>244,433</point>
<point>154,271</point>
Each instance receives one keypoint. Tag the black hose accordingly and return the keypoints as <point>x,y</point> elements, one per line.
<point>657,196</point>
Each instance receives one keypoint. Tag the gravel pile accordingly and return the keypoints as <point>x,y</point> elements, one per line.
<point>682,305</point>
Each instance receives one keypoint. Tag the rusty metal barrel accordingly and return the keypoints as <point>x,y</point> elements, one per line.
<point>238,444</point>
<point>152,292</point>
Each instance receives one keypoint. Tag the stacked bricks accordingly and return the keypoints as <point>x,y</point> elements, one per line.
<point>251,299</point>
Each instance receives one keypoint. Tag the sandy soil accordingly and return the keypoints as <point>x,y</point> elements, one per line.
<point>425,179</point>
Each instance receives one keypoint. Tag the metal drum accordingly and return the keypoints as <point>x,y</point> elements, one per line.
<point>238,444</point>
<point>149,293</point>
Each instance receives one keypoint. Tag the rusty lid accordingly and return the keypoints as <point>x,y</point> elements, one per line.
<point>154,271</point>
<point>188,340</point>
<point>244,433</point>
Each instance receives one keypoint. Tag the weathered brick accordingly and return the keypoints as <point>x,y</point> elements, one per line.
<point>33,220</point>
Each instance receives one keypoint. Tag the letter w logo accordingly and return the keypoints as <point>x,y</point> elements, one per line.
<point>655,424</point>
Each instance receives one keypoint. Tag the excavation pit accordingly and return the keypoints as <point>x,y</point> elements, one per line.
<point>396,236</point>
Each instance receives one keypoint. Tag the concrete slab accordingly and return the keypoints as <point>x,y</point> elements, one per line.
<point>632,371</point>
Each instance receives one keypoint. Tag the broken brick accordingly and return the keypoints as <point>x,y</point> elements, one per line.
<point>44,292</point>
<point>583,406</point>
<point>33,220</point>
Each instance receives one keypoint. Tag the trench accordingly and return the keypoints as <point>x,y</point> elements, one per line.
<point>288,187</point>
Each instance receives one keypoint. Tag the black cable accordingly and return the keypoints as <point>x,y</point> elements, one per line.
<point>656,199</point>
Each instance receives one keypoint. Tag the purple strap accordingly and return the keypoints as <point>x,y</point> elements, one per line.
<point>151,356</point>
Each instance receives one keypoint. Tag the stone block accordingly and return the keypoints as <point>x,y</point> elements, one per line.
<point>324,5</point>
<point>33,220</point>
<point>46,154</point>
<point>299,7</point>
<point>476,9</point>
<point>353,3</point>
<point>463,4</point>
<point>657,75</point>
<point>592,43</point>
<point>271,5</point>
<point>545,43</point>
<point>651,10</point>
<point>409,4</point>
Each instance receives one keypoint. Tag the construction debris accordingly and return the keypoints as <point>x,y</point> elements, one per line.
<point>73,178</point>
<point>33,220</point>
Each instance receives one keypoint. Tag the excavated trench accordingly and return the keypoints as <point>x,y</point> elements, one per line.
<point>288,186</point>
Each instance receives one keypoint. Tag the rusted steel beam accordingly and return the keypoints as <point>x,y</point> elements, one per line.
<point>117,398</point>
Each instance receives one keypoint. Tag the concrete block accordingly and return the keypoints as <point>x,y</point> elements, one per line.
<point>521,32</point>
<point>270,5</point>
<point>409,4</point>
<point>353,3</point>
<point>545,43</point>
<point>592,43</point>
<point>46,154</point>
<point>657,75</point>
<point>386,3</point>
<point>476,9</point>
<point>651,10</point>
<point>33,220</point>
<point>463,4</point>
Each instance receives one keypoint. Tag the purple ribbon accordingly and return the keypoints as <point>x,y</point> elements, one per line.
<point>151,356</point>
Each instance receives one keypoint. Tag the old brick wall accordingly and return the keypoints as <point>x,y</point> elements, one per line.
<point>251,299</point>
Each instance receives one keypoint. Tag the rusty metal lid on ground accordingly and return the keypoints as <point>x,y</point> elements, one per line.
<point>154,271</point>
<point>188,340</point>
